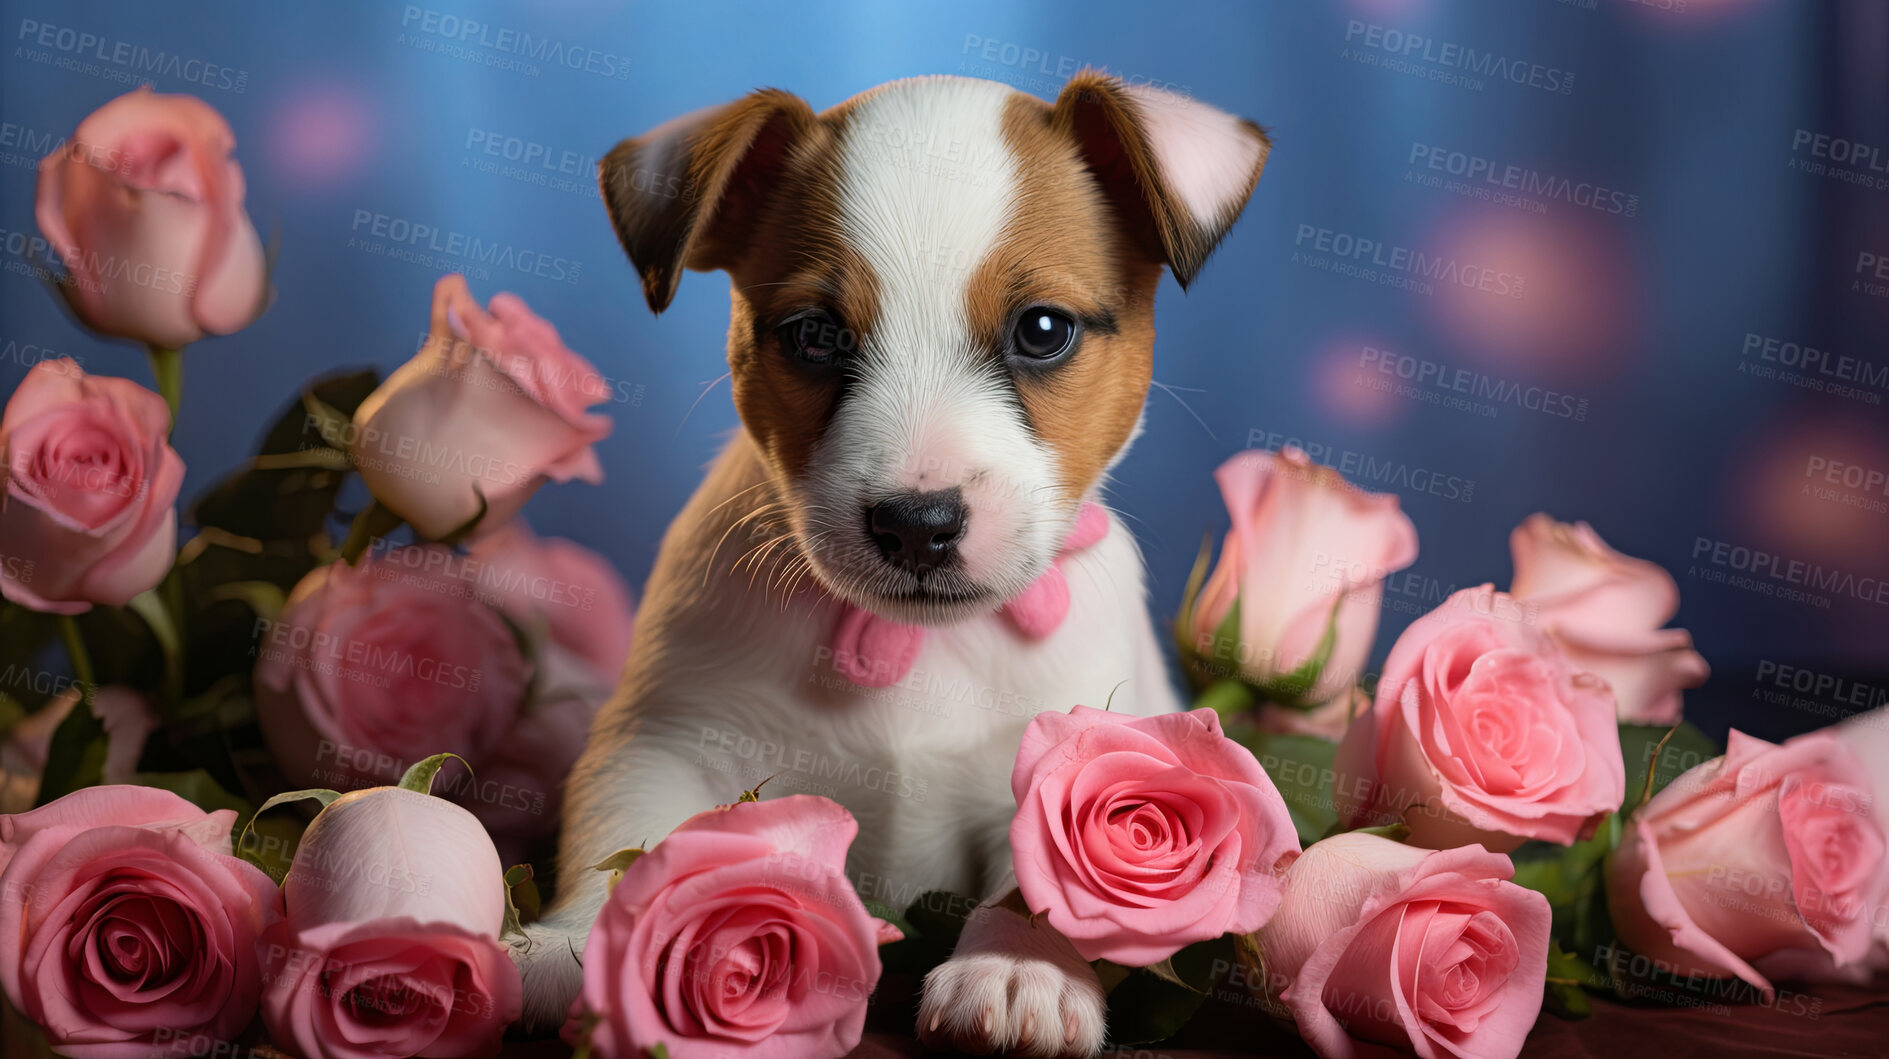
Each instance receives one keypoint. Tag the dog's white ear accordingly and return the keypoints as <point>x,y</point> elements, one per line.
<point>682,194</point>
<point>1177,171</point>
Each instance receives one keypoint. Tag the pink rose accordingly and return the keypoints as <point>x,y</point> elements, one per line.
<point>738,935</point>
<point>1482,732</point>
<point>390,946</point>
<point>370,667</point>
<point>519,786</point>
<point>128,719</point>
<point>1137,836</point>
<point>1605,610</point>
<point>1432,951</point>
<point>560,590</point>
<point>1307,554</point>
<point>145,205</point>
<point>1762,862</point>
<point>492,406</point>
<point>126,927</point>
<point>87,515</point>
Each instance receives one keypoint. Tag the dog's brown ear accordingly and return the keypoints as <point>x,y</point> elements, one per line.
<point>681,195</point>
<point>1178,172</point>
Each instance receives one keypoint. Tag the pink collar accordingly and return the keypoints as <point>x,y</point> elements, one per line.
<point>875,652</point>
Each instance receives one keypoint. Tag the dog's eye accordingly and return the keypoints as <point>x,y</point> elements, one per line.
<point>1043,333</point>
<point>815,336</point>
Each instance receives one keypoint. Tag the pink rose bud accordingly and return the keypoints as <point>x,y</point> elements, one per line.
<point>560,591</point>
<point>1482,732</point>
<point>1434,952</point>
<point>493,406</point>
<point>390,946</point>
<point>145,205</point>
<point>1137,836</point>
<point>128,720</point>
<point>737,937</point>
<point>1606,611</point>
<point>1306,548</point>
<point>88,511</point>
<point>370,667</point>
<point>1766,862</point>
<point>127,929</point>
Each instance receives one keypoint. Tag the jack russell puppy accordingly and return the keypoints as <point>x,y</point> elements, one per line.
<point>940,342</point>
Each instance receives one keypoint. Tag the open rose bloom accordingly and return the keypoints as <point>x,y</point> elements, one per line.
<point>1767,862</point>
<point>145,205</point>
<point>493,406</point>
<point>88,507</point>
<point>1605,611</point>
<point>390,944</point>
<point>1436,952</point>
<point>1137,836</point>
<point>131,930</point>
<point>1482,732</point>
<point>1306,549</point>
<point>368,662</point>
<point>738,936</point>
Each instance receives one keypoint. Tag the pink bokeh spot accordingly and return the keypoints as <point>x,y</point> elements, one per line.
<point>1813,491</point>
<point>1574,311</point>
<point>321,135</point>
<point>1348,387</point>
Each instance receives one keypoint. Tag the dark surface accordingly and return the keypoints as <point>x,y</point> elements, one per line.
<point>1831,1020</point>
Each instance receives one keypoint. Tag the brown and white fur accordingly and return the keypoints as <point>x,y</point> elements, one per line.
<point>922,217</point>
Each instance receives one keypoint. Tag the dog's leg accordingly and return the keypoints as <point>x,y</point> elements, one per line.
<point>622,796</point>
<point>1013,985</point>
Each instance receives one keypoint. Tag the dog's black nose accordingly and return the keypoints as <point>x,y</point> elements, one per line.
<point>918,531</point>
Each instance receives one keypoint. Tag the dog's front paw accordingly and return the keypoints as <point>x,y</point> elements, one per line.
<point>1013,987</point>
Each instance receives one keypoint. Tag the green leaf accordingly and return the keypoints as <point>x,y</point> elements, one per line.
<point>1152,1003</point>
<point>1647,761</point>
<point>373,523</point>
<point>266,598</point>
<point>289,503</point>
<point>197,787</point>
<point>420,776</point>
<point>881,910</point>
<point>939,916</point>
<point>77,756</point>
<point>12,712</point>
<point>658,1050</point>
<point>521,900</point>
<point>170,641</point>
<point>1396,832</point>
<point>321,794</point>
<point>1231,699</point>
<point>1301,767</point>
<point>617,863</point>
<point>1569,977</point>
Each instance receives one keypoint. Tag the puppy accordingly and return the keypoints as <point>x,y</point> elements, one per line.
<point>940,342</point>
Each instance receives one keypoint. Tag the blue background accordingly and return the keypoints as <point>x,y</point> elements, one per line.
<point>345,108</point>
